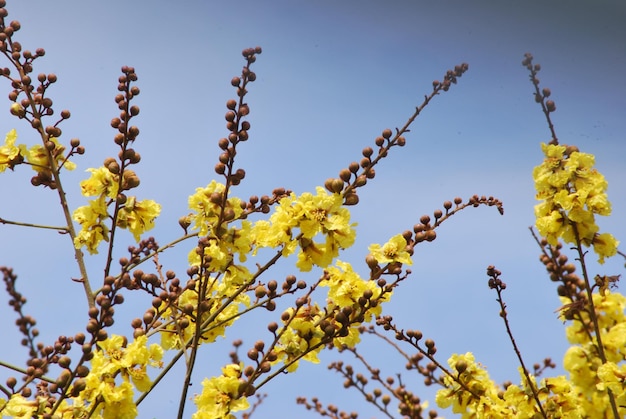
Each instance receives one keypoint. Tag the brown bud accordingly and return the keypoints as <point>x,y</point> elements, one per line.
<point>360,181</point>
<point>371,261</point>
<point>351,199</point>
<point>328,184</point>
<point>346,174</point>
<point>220,168</point>
<point>337,185</point>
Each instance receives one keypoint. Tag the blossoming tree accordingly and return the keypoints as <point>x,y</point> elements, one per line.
<point>237,242</point>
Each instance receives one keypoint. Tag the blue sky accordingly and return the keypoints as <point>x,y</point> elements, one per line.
<point>331,77</point>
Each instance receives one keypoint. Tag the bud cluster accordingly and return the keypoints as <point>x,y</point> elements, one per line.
<point>238,128</point>
<point>356,174</point>
<point>42,357</point>
<point>541,96</point>
<point>126,134</point>
<point>30,102</point>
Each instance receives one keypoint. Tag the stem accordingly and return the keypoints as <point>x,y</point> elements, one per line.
<point>55,170</point>
<point>503,314</point>
<point>23,371</point>
<point>195,343</point>
<point>376,377</point>
<point>188,344</point>
<point>592,312</point>
<point>383,151</point>
<point>22,224</point>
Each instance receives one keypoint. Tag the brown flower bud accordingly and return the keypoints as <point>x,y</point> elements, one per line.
<point>337,185</point>
<point>371,261</point>
<point>360,181</point>
<point>346,174</point>
<point>351,199</point>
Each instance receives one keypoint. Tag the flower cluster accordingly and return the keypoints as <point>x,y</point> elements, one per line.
<point>223,285</point>
<point>221,395</point>
<point>470,392</point>
<point>298,220</point>
<point>118,359</point>
<point>133,215</point>
<point>37,156</point>
<point>212,314</point>
<point>106,390</point>
<point>301,337</point>
<point>572,192</point>
<point>588,373</point>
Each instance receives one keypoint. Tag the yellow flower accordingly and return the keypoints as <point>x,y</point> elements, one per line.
<point>220,395</point>
<point>101,182</point>
<point>206,203</point>
<point>93,231</point>
<point>392,251</point>
<point>18,407</point>
<point>573,192</point>
<point>605,246</point>
<point>131,360</point>
<point>114,361</point>
<point>612,377</point>
<point>347,288</point>
<point>311,254</point>
<point>313,215</point>
<point>218,297</point>
<point>38,157</point>
<point>91,217</point>
<point>482,401</point>
<point>138,216</point>
<point>9,153</point>
<point>582,366</point>
<point>300,334</point>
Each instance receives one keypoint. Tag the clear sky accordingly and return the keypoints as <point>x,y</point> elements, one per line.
<point>331,77</point>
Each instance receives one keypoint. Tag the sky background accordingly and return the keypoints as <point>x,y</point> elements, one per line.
<point>331,77</point>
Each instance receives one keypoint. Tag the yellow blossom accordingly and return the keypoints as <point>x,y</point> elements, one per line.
<point>138,216</point>
<point>220,251</point>
<point>218,297</point>
<point>206,203</point>
<point>613,377</point>
<point>38,157</point>
<point>91,218</point>
<point>18,407</point>
<point>605,246</point>
<point>221,396</point>
<point>300,338</point>
<point>101,182</point>
<point>298,221</point>
<point>392,251</point>
<point>347,289</point>
<point>572,192</point>
<point>9,152</point>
